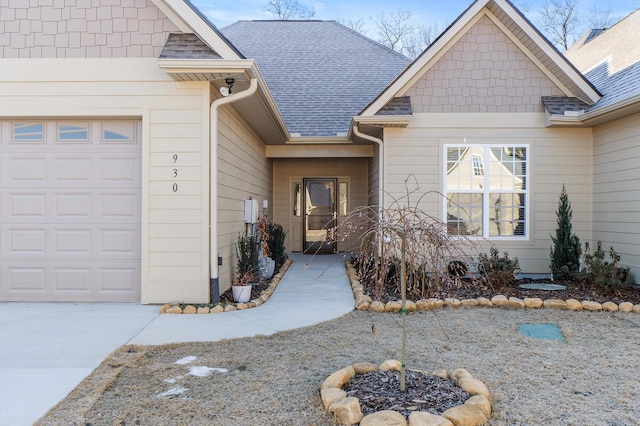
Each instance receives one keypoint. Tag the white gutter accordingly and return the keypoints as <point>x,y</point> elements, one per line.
<point>213,176</point>
<point>357,132</point>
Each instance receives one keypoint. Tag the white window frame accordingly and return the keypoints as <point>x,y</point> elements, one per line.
<point>487,189</point>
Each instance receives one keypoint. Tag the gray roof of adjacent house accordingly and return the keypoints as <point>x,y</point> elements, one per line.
<point>320,73</point>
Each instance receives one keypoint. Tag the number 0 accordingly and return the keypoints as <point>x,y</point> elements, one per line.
<point>175,187</point>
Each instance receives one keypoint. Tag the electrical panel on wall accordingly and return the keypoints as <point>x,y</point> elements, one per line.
<point>250,211</point>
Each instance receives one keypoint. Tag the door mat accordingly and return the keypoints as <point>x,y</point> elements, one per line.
<point>541,331</point>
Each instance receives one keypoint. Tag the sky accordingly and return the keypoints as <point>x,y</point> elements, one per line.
<point>423,12</point>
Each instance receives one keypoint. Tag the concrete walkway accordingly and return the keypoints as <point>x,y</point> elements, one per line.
<point>48,348</point>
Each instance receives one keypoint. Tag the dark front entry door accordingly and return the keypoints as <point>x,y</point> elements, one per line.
<point>320,215</point>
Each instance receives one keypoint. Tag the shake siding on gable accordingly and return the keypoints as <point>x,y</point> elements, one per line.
<point>484,71</point>
<point>243,171</point>
<point>82,29</point>
<point>616,188</point>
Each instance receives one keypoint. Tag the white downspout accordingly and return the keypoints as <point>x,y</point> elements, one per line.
<point>213,180</point>
<point>358,133</point>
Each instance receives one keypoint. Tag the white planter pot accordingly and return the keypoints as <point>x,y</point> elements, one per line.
<point>241,293</point>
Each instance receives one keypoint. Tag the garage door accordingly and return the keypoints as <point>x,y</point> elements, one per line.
<point>70,202</point>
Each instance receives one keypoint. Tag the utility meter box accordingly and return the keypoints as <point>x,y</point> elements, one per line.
<point>250,211</point>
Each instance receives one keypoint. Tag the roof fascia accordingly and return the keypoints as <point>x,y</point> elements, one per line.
<point>190,20</point>
<point>599,116</point>
<point>457,29</point>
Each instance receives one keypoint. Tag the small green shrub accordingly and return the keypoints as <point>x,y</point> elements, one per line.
<point>498,271</point>
<point>606,276</point>
<point>565,252</point>
<point>247,251</point>
<point>275,241</point>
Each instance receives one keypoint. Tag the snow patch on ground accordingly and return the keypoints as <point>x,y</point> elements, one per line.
<point>172,381</point>
<point>202,371</point>
<point>176,391</point>
<point>186,360</point>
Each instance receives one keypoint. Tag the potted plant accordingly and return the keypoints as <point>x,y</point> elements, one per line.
<point>247,251</point>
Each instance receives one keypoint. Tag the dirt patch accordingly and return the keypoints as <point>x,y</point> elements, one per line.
<point>588,379</point>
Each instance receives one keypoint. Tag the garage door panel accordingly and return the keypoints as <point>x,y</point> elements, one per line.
<point>70,209</point>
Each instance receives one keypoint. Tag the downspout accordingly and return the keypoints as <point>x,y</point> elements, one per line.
<point>370,138</point>
<point>214,272</point>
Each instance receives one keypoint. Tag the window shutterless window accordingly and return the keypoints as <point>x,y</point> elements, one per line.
<point>487,190</point>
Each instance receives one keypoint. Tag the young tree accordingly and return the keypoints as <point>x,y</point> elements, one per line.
<point>565,252</point>
<point>285,10</point>
<point>560,21</point>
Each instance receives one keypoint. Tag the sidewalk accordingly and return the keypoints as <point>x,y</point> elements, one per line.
<point>48,348</point>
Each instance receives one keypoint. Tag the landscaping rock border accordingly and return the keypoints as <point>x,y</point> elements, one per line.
<point>364,302</point>
<point>181,308</point>
<point>474,412</point>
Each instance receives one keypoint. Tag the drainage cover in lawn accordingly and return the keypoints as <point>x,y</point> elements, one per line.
<point>541,331</point>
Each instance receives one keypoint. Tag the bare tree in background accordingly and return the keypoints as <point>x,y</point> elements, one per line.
<point>285,10</point>
<point>355,25</point>
<point>394,28</point>
<point>421,38</point>
<point>601,18</point>
<point>560,21</point>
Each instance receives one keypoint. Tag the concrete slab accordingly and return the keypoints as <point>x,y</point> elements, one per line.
<point>48,348</point>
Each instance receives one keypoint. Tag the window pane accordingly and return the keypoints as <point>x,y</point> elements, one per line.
<point>118,131</point>
<point>28,132</point>
<point>464,214</point>
<point>506,215</point>
<point>73,132</point>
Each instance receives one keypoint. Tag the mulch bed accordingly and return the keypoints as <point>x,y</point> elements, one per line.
<point>380,390</point>
<point>468,290</point>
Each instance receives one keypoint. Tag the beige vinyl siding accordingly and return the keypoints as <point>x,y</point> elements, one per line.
<point>354,171</point>
<point>374,177</point>
<point>243,172</point>
<point>616,188</point>
<point>556,156</point>
<point>174,253</point>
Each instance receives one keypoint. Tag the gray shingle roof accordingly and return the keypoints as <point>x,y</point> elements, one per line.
<point>320,73</point>
<point>616,87</point>
<point>397,106</point>
<point>560,104</point>
<point>186,46</point>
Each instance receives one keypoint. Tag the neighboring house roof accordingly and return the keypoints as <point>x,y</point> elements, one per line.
<point>521,32</point>
<point>320,73</point>
<point>610,59</point>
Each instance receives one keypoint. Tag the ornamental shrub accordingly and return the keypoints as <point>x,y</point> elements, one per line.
<point>498,271</point>
<point>565,252</point>
<point>606,276</point>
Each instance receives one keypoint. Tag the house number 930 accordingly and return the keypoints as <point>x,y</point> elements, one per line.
<point>174,187</point>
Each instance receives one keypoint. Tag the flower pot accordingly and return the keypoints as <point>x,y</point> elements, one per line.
<point>241,293</point>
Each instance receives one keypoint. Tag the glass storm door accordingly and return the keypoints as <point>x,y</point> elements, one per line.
<point>320,216</point>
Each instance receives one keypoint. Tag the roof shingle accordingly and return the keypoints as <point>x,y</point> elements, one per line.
<point>320,73</point>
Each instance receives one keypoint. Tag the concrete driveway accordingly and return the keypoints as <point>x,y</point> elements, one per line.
<point>48,348</point>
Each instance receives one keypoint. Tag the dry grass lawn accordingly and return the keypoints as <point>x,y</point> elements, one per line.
<point>589,379</point>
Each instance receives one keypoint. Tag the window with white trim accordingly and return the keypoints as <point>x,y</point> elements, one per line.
<point>487,190</point>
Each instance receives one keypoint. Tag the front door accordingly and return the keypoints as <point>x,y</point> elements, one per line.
<point>319,225</point>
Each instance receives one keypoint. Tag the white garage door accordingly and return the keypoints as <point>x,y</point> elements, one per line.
<point>70,195</point>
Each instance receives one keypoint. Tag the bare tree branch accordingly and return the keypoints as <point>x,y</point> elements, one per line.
<point>285,10</point>
<point>560,21</point>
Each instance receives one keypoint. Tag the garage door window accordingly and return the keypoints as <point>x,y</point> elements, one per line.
<point>118,131</point>
<point>31,132</point>
<point>73,132</point>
